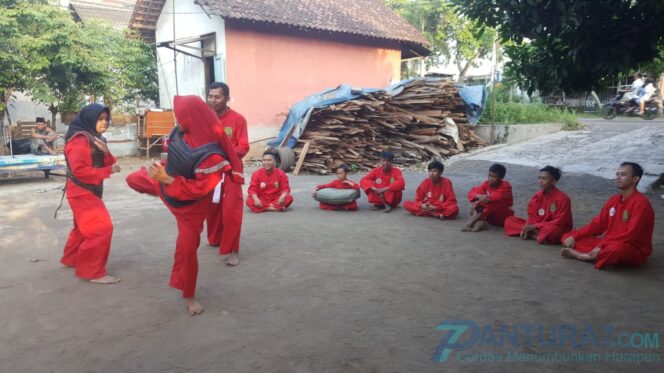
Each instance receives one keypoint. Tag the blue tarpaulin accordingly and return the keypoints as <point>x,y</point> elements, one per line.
<point>298,116</point>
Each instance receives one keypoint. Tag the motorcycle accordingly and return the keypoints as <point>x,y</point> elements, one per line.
<point>629,108</point>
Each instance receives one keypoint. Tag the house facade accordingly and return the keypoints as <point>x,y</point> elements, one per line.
<point>273,54</point>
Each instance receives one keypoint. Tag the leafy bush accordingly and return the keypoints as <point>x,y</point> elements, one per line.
<point>517,112</point>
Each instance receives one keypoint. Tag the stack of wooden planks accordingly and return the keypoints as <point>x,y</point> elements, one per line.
<point>418,124</point>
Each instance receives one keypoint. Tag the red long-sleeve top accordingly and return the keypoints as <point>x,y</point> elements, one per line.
<point>79,159</point>
<point>378,178</point>
<point>629,221</point>
<point>439,195</point>
<point>501,196</point>
<point>268,186</point>
<point>338,184</point>
<point>552,209</point>
<point>236,128</point>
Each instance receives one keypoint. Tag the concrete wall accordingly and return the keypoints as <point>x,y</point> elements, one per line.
<point>269,72</point>
<point>122,140</point>
<point>190,21</point>
<point>515,133</point>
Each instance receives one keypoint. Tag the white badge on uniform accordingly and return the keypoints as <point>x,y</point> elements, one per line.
<point>540,212</point>
<point>612,211</point>
<point>216,197</point>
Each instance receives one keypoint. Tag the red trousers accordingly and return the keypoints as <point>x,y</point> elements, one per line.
<point>611,253</point>
<point>224,219</point>
<point>190,226</point>
<point>89,242</point>
<point>266,203</point>
<point>548,234</point>
<point>448,211</point>
<point>391,198</point>
<point>496,215</point>
<point>347,207</point>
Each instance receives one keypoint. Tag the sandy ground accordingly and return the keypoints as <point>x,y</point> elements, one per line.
<point>315,292</point>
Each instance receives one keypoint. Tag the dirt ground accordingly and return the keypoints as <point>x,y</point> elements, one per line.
<point>315,291</point>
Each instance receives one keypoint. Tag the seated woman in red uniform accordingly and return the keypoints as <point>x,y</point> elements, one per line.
<point>491,201</point>
<point>269,189</point>
<point>622,232</point>
<point>89,162</point>
<point>384,185</point>
<point>342,182</point>
<point>198,155</point>
<point>549,212</point>
<point>435,196</point>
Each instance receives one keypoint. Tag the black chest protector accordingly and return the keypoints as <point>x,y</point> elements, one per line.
<point>183,160</point>
<point>97,162</point>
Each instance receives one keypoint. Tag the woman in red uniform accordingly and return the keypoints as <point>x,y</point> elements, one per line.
<point>198,156</point>
<point>89,162</point>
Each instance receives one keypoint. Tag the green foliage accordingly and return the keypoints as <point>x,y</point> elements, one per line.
<point>453,36</point>
<point>573,44</point>
<point>58,61</point>
<point>509,112</point>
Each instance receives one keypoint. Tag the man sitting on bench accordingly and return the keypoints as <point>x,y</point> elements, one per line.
<point>42,138</point>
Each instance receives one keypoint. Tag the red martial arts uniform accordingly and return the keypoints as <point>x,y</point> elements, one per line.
<point>551,214</point>
<point>199,125</point>
<point>622,230</point>
<point>89,242</point>
<point>338,184</point>
<point>224,220</point>
<point>499,206</point>
<point>378,178</point>
<point>268,188</point>
<point>441,196</point>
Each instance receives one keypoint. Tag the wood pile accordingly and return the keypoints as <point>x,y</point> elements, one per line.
<point>417,125</point>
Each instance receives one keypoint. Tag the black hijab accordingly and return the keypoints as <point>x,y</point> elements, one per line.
<point>86,120</point>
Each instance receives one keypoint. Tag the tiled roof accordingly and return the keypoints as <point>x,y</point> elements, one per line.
<point>369,18</point>
<point>116,12</point>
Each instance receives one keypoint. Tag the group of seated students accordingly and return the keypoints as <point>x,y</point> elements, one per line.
<point>621,234</point>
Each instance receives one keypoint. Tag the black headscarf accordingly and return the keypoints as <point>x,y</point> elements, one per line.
<point>86,120</point>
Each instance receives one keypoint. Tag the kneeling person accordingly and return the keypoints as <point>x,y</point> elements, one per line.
<point>622,232</point>
<point>269,189</point>
<point>435,196</point>
<point>549,212</point>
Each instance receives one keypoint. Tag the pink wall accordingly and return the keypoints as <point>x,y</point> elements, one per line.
<point>267,73</point>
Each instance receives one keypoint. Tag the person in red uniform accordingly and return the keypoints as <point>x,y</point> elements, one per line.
<point>435,195</point>
<point>199,153</point>
<point>89,162</point>
<point>269,189</point>
<point>491,201</point>
<point>342,182</point>
<point>224,220</point>
<point>549,212</point>
<point>384,185</point>
<point>622,232</point>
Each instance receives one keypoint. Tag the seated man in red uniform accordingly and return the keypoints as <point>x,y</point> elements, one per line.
<point>224,220</point>
<point>549,212</point>
<point>435,196</point>
<point>199,153</point>
<point>384,185</point>
<point>491,201</point>
<point>342,182</point>
<point>622,232</point>
<point>269,189</point>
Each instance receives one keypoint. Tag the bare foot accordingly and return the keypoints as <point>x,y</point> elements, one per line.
<point>105,280</point>
<point>573,254</point>
<point>480,226</point>
<point>388,208</point>
<point>376,207</point>
<point>193,306</point>
<point>272,208</point>
<point>233,259</point>
<point>468,227</point>
<point>593,253</point>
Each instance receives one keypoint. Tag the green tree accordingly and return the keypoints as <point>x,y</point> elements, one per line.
<point>572,44</point>
<point>453,36</point>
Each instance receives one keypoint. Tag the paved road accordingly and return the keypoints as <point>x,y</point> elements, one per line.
<point>595,150</point>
